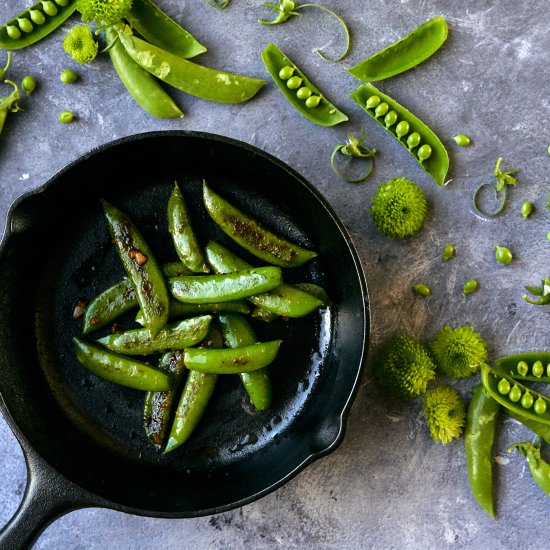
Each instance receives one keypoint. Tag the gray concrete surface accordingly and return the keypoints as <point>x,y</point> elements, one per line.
<point>388,485</point>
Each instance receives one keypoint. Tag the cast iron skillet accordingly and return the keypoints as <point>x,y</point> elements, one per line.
<point>82,436</point>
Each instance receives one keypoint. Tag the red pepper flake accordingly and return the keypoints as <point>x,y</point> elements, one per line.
<point>140,258</point>
<point>79,308</point>
<point>132,253</point>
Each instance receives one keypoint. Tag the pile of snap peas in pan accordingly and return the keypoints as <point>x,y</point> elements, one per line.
<point>192,314</point>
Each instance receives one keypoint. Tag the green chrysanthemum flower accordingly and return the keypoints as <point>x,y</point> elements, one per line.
<point>80,44</point>
<point>399,208</point>
<point>103,12</point>
<point>445,412</point>
<point>403,367</point>
<point>459,352</point>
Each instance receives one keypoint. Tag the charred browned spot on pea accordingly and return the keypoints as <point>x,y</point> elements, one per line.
<point>79,308</point>
<point>139,257</point>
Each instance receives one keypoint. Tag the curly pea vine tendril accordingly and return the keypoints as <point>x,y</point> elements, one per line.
<point>218,4</point>
<point>353,148</point>
<point>285,9</point>
<point>5,69</point>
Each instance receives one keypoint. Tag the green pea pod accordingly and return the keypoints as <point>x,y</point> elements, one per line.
<point>264,315</point>
<point>252,236</point>
<point>141,267</point>
<point>323,113</point>
<point>142,86</point>
<point>185,241</point>
<point>426,149</point>
<point>479,437</point>
<point>538,467</point>
<point>542,430</point>
<point>511,393</point>
<point>119,369</point>
<point>189,77</point>
<point>232,361</point>
<point>12,35</point>
<point>170,338</point>
<point>162,31</point>
<point>159,406</point>
<point>406,53</point>
<point>223,288</point>
<point>237,332</point>
<point>315,290</point>
<point>509,365</point>
<point>175,269</point>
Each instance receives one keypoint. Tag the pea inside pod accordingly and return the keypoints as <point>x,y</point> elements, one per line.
<point>533,366</point>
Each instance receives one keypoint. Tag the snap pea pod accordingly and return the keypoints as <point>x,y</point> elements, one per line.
<point>285,300</point>
<point>542,430</point>
<point>253,237</point>
<point>189,77</point>
<point>514,396</point>
<point>532,365</point>
<point>319,110</point>
<point>162,31</point>
<point>141,268</point>
<point>185,241</point>
<point>223,288</point>
<point>119,369</point>
<point>142,86</point>
<point>404,54</point>
<point>159,406</point>
<point>175,269</point>
<point>479,437</point>
<point>423,145</point>
<point>237,332</point>
<point>194,399</point>
<point>538,467</point>
<point>169,338</point>
<point>232,361</point>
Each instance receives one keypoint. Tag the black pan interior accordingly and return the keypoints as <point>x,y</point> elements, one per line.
<point>90,430</point>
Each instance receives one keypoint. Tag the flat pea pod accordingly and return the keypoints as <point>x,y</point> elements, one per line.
<point>189,77</point>
<point>185,241</point>
<point>142,86</point>
<point>141,268</point>
<point>188,332</point>
<point>539,468</point>
<point>119,369</point>
<point>237,332</point>
<point>510,364</point>
<point>542,430</point>
<point>491,378</point>
<point>54,15</point>
<point>437,163</point>
<point>252,236</point>
<point>324,113</point>
<point>406,53</point>
<point>479,437</point>
<point>234,360</point>
<point>162,31</point>
<point>204,289</point>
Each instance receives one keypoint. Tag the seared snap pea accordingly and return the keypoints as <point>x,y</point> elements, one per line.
<point>170,338</point>
<point>533,366</point>
<point>479,437</point>
<point>538,467</point>
<point>141,267</point>
<point>404,54</point>
<point>119,369</point>
<point>205,289</point>
<point>46,16</point>
<point>253,237</point>
<point>232,361</point>
<point>324,113</point>
<point>237,332</point>
<point>435,160</point>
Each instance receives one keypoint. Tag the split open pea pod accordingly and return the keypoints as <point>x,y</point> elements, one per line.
<point>426,148</point>
<point>404,54</point>
<point>35,23</point>
<point>532,365</point>
<point>320,110</point>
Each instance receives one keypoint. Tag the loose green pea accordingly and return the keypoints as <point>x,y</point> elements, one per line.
<point>421,290</point>
<point>548,150</point>
<point>49,8</point>
<point>402,129</point>
<point>62,3</point>
<point>303,93</point>
<point>381,110</point>
<point>312,101</point>
<point>37,17</point>
<point>526,209</point>
<point>424,152</point>
<point>413,140</point>
<point>448,252</point>
<point>25,25</point>
<point>540,406</point>
<point>522,368</point>
<point>548,235</point>
<point>503,255</point>
<point>470,286</point>
<point>372,102</point>
<point>462,140</point>
<point>286,72</point>
<point>13,32</point>
<point>68,76</point>
<point>28,84</point>
<point>65,117</point>
<point>515,394</point>
<point>390,119</point>
<point>548,370</point>
<point>294,82</point>
<point>538,369</point>
<point>503,387</point>
<point>527,401</point>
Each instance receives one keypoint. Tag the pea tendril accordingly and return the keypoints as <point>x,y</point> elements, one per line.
<point>5,69</point>
<point>353,148</point>
<point>218,4</point>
